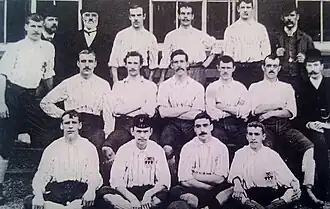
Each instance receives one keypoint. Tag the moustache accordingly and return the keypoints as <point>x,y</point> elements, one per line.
<point>86,68</point>
<point>271,71</point>
<point>289,22</point>
<point>54,26</point>
<point>313,73</point>
<point>179,69</point>
<point>202,134</point>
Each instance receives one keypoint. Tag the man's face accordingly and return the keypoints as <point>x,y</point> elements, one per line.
<point>226,70</point>
<point>255,137</point>
<point>186,16</point>
<point>133,65</point>
<point>86,64</point>
<point>179,64</point>
<point>314,69</point>
<point>91,20</point>
<point>142,135</point>
<point>34,29</point>
<point>271,68</point>
<point>245,10</point>
<point>51,24</point>
<point>137,17</point>
<point>70,126</point>
<point>203,129</point>
<point>291,20</point>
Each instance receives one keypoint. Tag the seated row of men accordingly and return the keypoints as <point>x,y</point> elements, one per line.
<point>140,176</point>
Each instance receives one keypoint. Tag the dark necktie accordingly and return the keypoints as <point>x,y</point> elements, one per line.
<point>89,32</point>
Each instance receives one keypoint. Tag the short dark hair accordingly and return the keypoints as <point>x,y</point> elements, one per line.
<point>134,4</point>
<point>179,52</point>
<point>270,56</point>
<point>72,114</point>
<point>133,54</point>
<point>86,51</point>
<point>35,17</point>
<point>256,124</point>
<point>185,5</point>
<point>225,59</point>
<point>203,115</point>
<point>246,1</point>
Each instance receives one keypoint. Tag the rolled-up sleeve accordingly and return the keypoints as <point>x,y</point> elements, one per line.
<point>7,62</point>
<point>163,95</point>
<point>118,170</point>
<point>237,167</point>
<point>222,164</point>
<point>253,97</point>
<point>162,171</point>
<point>185,164</point>
<point>283,174</point>
<point>109,120</point>
<point>290,101</point>
<point>153,53</point>
<point>199,102</point>
<point>151,102</point>
<point>115,52</point>
<point>58,94</point>
<point>92,174</point>
<point>49,61</point>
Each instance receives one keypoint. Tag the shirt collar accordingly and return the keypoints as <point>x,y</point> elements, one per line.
<point>316,82</point>
<point>222,83</point>
<point>246,22</point>
<point>267,82</point>
<point>184,82</point>
<point>127,80</point>
<point>141,30</point>
<point>200,143</point>
<point>47,35</point>
<point>93,30</point>
<point>290,32</point>
<point>27,40</point>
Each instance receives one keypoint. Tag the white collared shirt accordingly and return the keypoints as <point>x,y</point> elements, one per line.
<point>210,158</point>
<point>232,93</point>
<point>63,161</point>
<point>292,31</point>
<point>131,39</point>
<point>26,62</point>
<point>136,93</point>
<point>48,36</point>
<point>191,40</point>
<point>316,82</point>
<point>91,96</point>
<point>173,93</point>
<point>246,41</point>
<point>264,168</point>
<point>265,92</point>
<point>135,167</point>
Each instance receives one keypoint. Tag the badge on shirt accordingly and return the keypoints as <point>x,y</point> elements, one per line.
<point>149,161</point>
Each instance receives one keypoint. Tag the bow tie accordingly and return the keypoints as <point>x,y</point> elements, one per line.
<point>89,32</point>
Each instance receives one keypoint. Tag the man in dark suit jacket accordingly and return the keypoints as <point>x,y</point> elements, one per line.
<point>92,37</point>
<point>313,117</point>
<point>59,41</point>
<point>291,46</point>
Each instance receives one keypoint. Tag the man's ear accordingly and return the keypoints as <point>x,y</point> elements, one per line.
<point>80,125</point>
<point>211,127</point>
<point>298,16</point>
<point>26,27</point>
<point>263,67</point>
<point>279,68</point>
<point>144,16</point>
<point>78,64</point>
<point>132,130</point>
<point>61,126</point>
<point>192,16</point>
<point>234,68</point>
<point>263,136</point>
<point>151,130</point>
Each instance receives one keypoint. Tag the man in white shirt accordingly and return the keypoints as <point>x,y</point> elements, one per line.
<point>261,178</point>
<point>140,177</point>
<point>132,96</point>
<point>191,40</point>
<point>180,99</point>
<point>247,42</point>
<point>134,38</point>
<point>69,179</point>
<point>19,78</point>
<point>228,105</point>
<point>88,94</point>
<point>203,168</point>
<point>274,104</point>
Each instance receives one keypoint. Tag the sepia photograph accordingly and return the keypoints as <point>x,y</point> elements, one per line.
<point>164,104</point>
